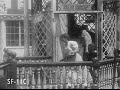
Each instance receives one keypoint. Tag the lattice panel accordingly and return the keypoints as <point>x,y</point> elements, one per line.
<point>108,32</point>
<point>42,33</point>
<point>40,5</point>
<point>61,3</point>
<point>42,36</point>
<point>87,19</point>
<point>46,4</point>
<point>3,8</point>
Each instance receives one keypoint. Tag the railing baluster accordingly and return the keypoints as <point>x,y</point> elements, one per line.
<point>118,70</point>
<point>38,81</point>
<point>88,77</point>
<point>83,75</point>
<point>18,76</point>
<point>30,77</point>
<point>101,75</point>
<point>44,78</point>
<point>107,75</point>
<point>61,78</point>
<point>27,77</point>
<point>55,77</point>
<point>73,78</point>
<point>66,78</point>
<point>77,82</point>
<point>104,76</point>
<point>117,74</point>
<point>24,77</point>
<point>50,86</point>
<point>111,74</point>
<point>33,80</point>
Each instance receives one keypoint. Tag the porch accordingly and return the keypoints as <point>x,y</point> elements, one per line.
<point>38,73</point>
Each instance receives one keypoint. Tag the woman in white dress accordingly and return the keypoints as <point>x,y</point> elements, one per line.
<point>71,54</point>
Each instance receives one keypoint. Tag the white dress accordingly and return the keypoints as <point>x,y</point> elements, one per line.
<point>73,75</point>
<point>73,47</point>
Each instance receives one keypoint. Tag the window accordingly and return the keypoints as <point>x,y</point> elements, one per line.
<point>15,33</point>
<point>20,4</point>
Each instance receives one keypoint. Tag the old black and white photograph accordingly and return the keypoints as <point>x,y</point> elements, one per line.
<point>59,44</point>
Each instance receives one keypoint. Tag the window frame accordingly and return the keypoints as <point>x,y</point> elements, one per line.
<point>20,46</point>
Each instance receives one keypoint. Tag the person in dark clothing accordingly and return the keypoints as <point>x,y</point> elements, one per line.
<point>89,39</point>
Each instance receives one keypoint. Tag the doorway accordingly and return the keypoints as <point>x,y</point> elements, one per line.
<point>82,21</point>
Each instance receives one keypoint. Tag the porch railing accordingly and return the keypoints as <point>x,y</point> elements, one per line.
<point>54,75</point>
<point>34,59</point>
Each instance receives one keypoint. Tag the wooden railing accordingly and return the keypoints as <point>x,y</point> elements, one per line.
<point>52,75</point>
<point>34,59</point>
<point>34,73</point>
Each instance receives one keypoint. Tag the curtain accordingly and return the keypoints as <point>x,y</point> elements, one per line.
<point>61,23</point>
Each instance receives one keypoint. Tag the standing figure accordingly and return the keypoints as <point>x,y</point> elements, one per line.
<point>89,40</point>
<point>70,49</point>
<point>71,55</point>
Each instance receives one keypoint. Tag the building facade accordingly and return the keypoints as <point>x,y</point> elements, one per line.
<point>12,26</point>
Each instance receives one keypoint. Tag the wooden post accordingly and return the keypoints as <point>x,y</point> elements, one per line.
<point>94,72</point>
<point>54,30</point>
<point>114,68</point>
<point>99,42</point>
<point>118,69</point>
<point>3,37</point>
<point>26,31</point>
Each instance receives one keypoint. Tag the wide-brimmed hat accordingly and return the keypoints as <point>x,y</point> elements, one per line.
<point>65,35</point>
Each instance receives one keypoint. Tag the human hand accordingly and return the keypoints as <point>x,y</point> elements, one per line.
<point>71,52</point>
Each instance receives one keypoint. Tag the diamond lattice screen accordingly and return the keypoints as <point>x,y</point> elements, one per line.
<point>40,5</point>
<point>42,36</point>
<point>87,19</point>
<point>3,7</point>
<point>42,33</point>
<point>61,3</point>
<point>108,32</point>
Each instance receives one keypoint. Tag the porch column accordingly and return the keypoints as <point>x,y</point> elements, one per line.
<point>99,32</point>
<point>2,38</point>
<point>118,30</point>
<point>54,30</point>
<point>26,30</point>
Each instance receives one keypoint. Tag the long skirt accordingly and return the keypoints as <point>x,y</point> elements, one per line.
<point>77,75</point>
